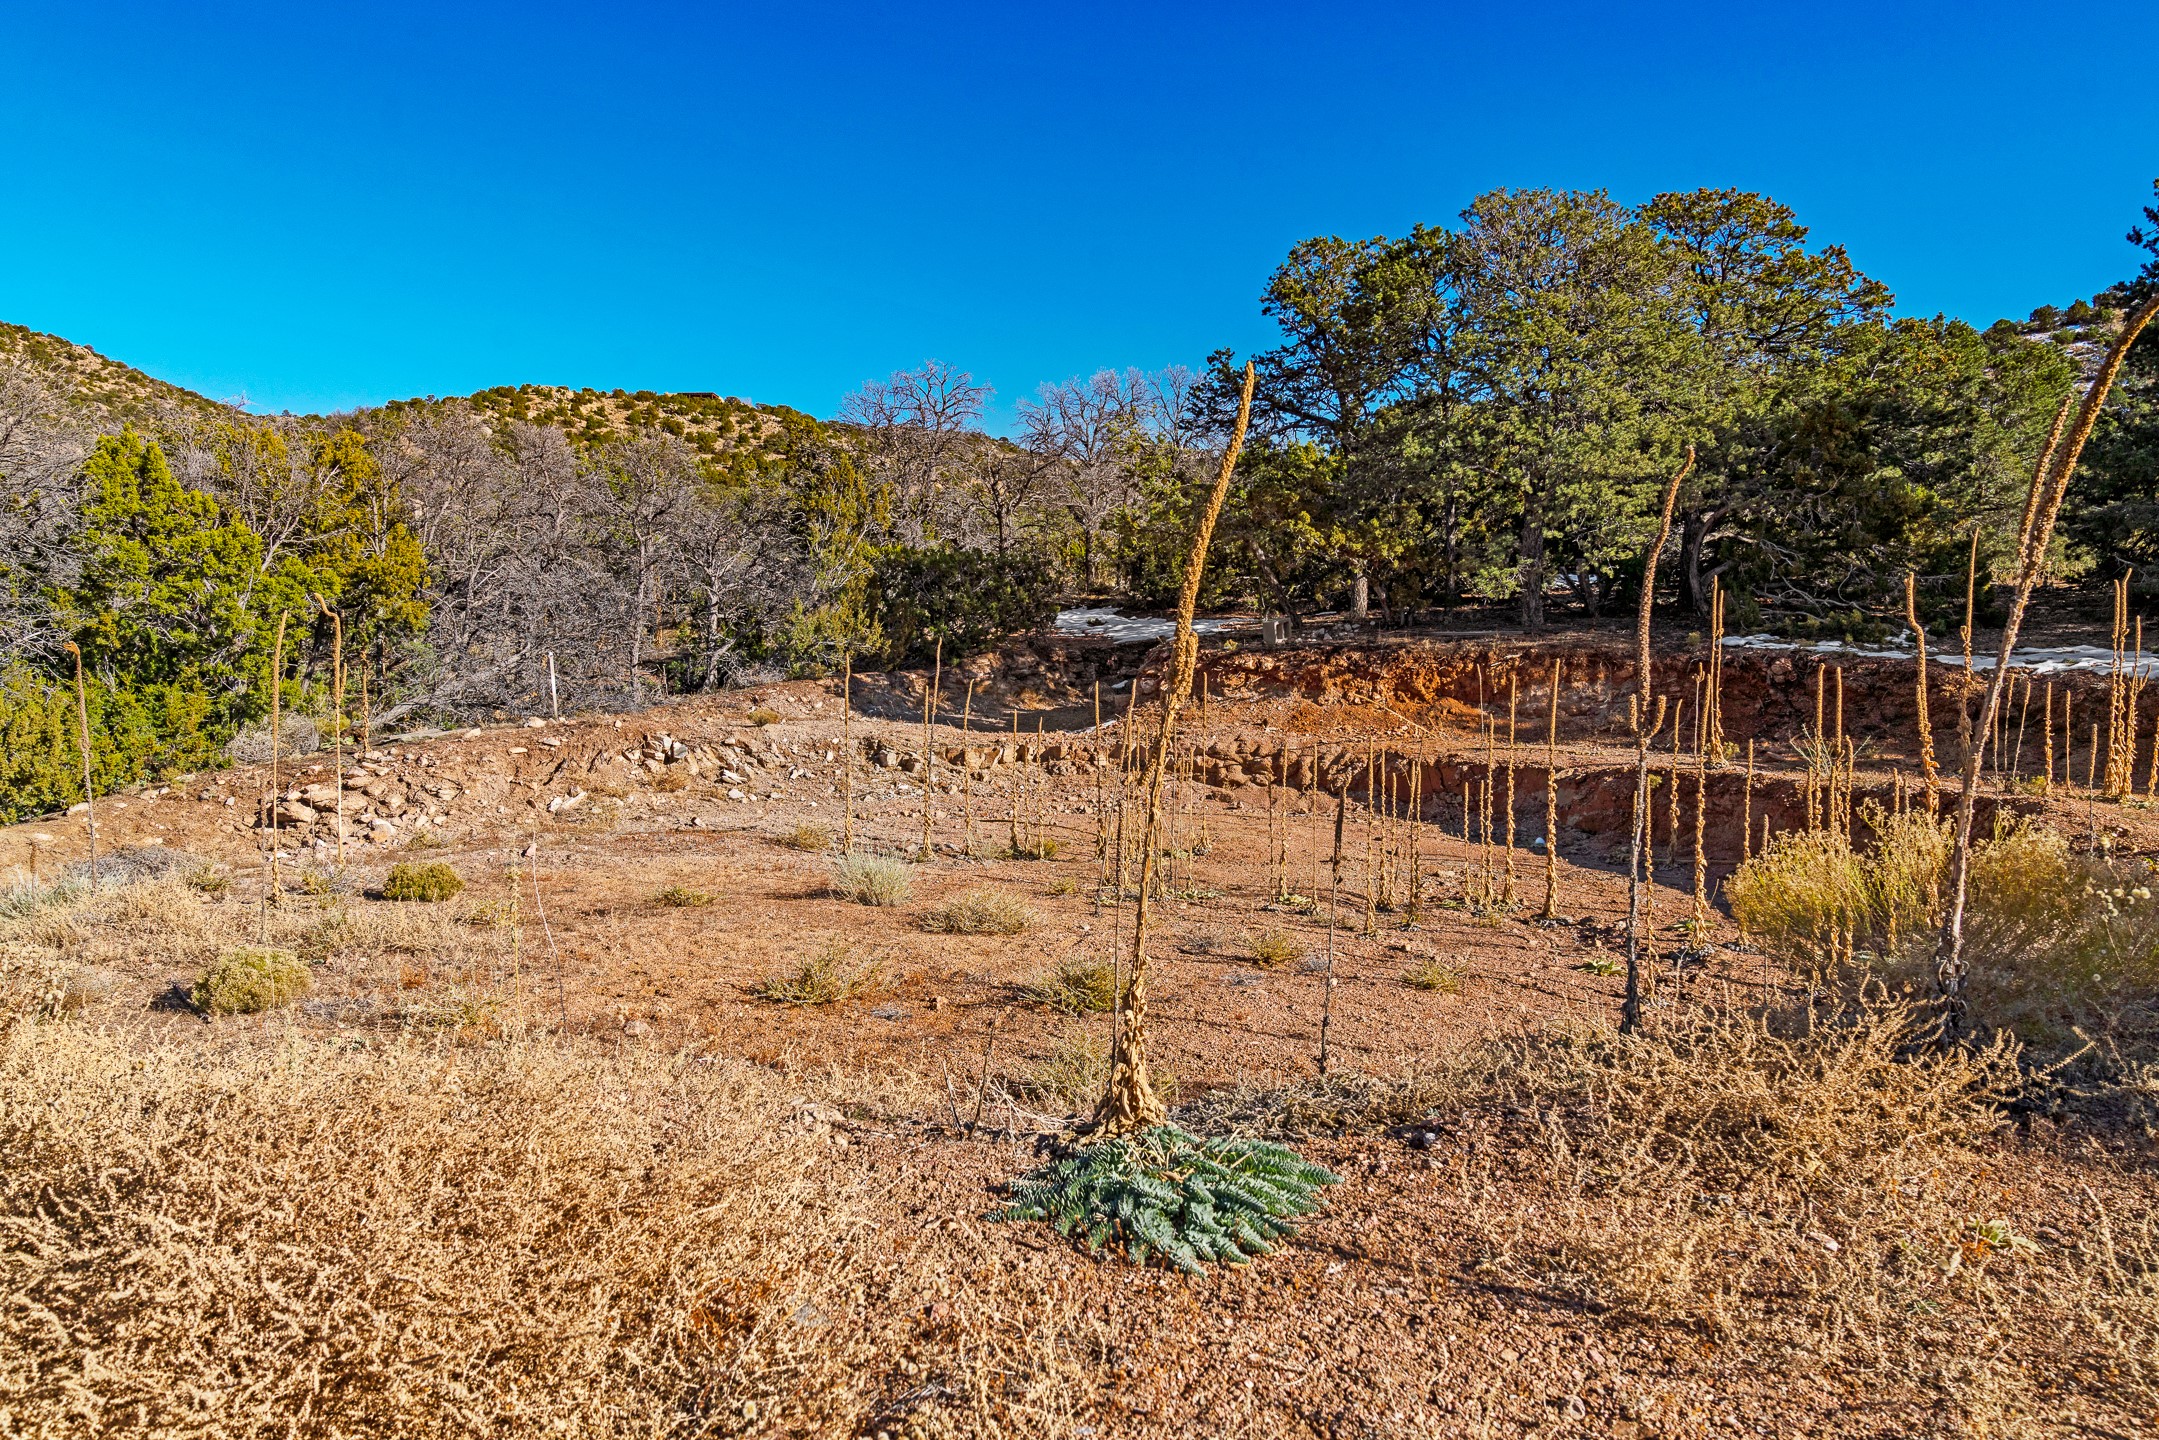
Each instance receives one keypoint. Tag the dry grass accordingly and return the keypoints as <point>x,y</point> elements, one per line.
<point>413,1239</point>
<point>827,977</point>
<point>1077,985</point>
<point>1071,1077</point>
<point>672,780</point>
<point>868,879</point>
<point>2062,946</point>
<point>764,715</point>
<point>250,981</point>
<point>1809,1189</point>
<point>810,835</point>
<point>682,897</point>
<point>1433,974</point>
<point>981,912</point>
<point>1271,949</point>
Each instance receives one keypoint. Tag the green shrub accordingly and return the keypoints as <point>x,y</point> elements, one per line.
<point>1272,948</point>
<point>682,897</point>
<point>764,715</point>
<point>250,981</point>
<point>430,881</point>
<point>871,879</point>
<point>980,912</point>
<point>969,598</point>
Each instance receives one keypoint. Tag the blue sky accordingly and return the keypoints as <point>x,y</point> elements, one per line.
<point>319,206</point>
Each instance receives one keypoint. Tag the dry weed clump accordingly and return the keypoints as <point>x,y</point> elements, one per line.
<point>868,879</point>
<point>251,981</point>
<point>2062,946</point>
<point>1272,949</point>
<point>1077,985</point>
<point>1069,1078</point>
<point>764,715</point>
<point>375,1241</point>
<point>981,912</point>
<point>810,835</point>
<point>827,977</point>
<point>682,897</point>
<point>1809,1187</point>
<point>1433,974</point>
<point>430,882</point>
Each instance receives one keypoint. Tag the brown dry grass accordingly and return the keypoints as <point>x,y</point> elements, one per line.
<point>519,1239</point>
<point>1809,1190</point>
<point>2064,947</point>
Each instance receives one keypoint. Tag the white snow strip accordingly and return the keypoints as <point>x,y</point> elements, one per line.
<point>2038,660</point>
<point>1125,628</point>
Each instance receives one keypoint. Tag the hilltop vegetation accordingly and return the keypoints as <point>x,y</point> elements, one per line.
<point>1471,414</point>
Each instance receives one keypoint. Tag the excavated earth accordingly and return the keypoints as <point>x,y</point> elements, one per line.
<point>1369,1325</point>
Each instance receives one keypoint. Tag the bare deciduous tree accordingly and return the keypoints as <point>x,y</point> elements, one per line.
<point>915,431</point>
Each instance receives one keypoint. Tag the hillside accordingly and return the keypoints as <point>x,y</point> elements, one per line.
<point>115,393</point>
<point>109,389</point>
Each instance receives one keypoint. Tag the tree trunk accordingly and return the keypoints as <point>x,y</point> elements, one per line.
<point>1263,566</point>
<point>1360,596</point>
<point>1531,550</point>
<point>1693,536</point>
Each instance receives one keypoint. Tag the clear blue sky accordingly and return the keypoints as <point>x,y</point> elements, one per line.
<point>322,206</point>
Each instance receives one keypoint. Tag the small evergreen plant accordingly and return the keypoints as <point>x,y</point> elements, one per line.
<point>433,881</point>
<point>249,981</point>
<point>1163,1194</point>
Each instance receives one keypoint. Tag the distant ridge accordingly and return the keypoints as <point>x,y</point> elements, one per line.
<point>121,394</point>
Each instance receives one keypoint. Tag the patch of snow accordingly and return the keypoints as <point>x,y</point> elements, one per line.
<point>1129,629</point>
<point>2038,659</point>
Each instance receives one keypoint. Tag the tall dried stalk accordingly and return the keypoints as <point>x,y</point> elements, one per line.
<point>929,745</point>
<point>1964,688</point>
<point>1416,836</point>
<point>277,685</point>
<point>1840,775</point>
<point>1630,1016</point>
<point>2135,687</point>
<point>1817,750</point>
<point>1746,808</point>
<point>2053,473</point>
<point>1630,1010</point>
<point>337,718</point>
<point>1130,1102</point>
<point>1671,799</point>
<point>1716,670</point>
<point>1551,803</point>
<point>89,790</point>
<point>1930,775</point>
<point>967,770</point>
<point>1701,864</point>
<point>1484,810</point>
<point>2024,717</point>
<point>1506,894</point>
<point>2047,731</point>
<point>847,754</point>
